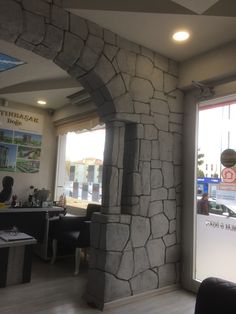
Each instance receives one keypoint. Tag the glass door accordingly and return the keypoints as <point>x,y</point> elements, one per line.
<point>215,217</point>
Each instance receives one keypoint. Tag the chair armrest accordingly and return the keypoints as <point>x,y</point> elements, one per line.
<point>216,296</point>
<point>64,224</point>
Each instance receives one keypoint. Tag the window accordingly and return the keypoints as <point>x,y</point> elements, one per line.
<point>79,168</point>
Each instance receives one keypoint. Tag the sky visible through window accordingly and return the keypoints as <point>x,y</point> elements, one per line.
<point>85,145</point>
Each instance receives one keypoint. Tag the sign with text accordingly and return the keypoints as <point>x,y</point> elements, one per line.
<point>215,243</point>
<point>20,140</point>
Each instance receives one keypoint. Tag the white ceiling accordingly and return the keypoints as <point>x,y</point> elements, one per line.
<point>154,30</point>
<point>150,23</point>
<point>39,78</point>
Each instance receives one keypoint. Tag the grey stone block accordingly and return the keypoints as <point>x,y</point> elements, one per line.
<point>143,282</point>
<point>110,51</point>
<point>117,236</point>
<point>178,175</point>
<point>170,83</point>
<point>167,275</point>
<point>173,67</point>
<point>124,103</point>
<point>116,87</point>
<point>156,178</point>
<point>140,231</point>
<point>88,59</point>
<point>176,102</point>
<point>159,106</point>
<point>24,44</point>
<point>141,107</point>
<point>60,17</point>
<point>161,121</point>
<point>156,252</point>
<point>78,26</point>
<point>95,235</point>
<point>158,194</point>
<point>115,288</point>
<point>171,194</point>
<point>125,219</point>
<point>141,89</point>
<point>145,170</point>
<point>33,28</point>
<point>155,208</point>
<point>161,62</point>
<point>45,52</point>
<point>144,205</point>
<point>111,177</point>
<point>145,150</point>
<point>104,69</point>
<point>147,53</point>
<point>147,119</point>
<point>113,260</point>
<point>176,118</point>
<point>156,164</point>
<point>72,49</point>
<point>144,67</point>
<point>160,225</point>
<point>95,43</point>
<point>127,45</point>
<point>168,174</point>
<point>172,226</point>
<point>141,262</point>
<point>126,79</point>
<point>155,150</point>
<point>160,95</point>
<point>170,209</point>
<point>176,128</point>
<point>166,146</point>
<point>53,38</point>
<point>170,239</point>
<point>109,37</point>
<point>173,254</point>
<point>11,20</point>
<point>126,61</point>
<point>150,132</point>
<point>95,29</point>
<point>157,78</point>
<point>126,266</point>
<point>177,152</point>
<point>37,7</point>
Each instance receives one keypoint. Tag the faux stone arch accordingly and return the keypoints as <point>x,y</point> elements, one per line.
<point>84,50</point>
<point>134,244</point>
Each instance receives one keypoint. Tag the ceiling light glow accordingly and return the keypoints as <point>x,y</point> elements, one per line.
<point>181,36</point>
<point>41,102</point>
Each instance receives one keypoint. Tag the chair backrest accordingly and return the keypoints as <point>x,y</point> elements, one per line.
<point>92,208</point>
<point>216,296</point>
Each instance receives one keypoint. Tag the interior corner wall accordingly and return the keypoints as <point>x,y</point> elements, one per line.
<point>46,175</point>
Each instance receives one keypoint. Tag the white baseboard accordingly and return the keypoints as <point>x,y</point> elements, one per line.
<point>140,296</point>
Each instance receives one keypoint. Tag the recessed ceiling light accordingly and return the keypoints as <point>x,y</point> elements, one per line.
<point>41,102</point>
<point>181,36</point>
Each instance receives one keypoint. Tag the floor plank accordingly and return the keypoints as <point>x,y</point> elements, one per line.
<point>54,290</point>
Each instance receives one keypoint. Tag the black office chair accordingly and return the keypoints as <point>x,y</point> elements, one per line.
<point>73,233</point>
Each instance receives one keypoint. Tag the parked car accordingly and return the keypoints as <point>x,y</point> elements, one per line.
<point>222,209</point>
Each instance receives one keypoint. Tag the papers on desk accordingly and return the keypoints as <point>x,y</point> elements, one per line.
<point>8,235</point>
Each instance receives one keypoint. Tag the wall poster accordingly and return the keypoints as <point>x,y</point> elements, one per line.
<point>20,140</point>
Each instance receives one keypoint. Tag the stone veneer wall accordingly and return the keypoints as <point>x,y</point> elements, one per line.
<point>135,241</point>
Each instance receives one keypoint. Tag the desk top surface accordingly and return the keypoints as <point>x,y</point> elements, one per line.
<point>31,209</point>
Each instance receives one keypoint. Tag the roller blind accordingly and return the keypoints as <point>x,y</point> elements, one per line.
<point>78,123</point>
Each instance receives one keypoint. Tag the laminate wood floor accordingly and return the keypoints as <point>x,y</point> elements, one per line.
<point>54,290</point>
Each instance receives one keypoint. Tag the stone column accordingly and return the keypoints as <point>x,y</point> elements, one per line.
<point>113,168</point>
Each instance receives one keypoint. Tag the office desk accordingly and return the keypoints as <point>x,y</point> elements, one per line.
<point>33,221</point>
<point>15,261</point>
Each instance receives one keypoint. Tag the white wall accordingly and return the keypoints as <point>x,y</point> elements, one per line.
<point>45,177</point>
